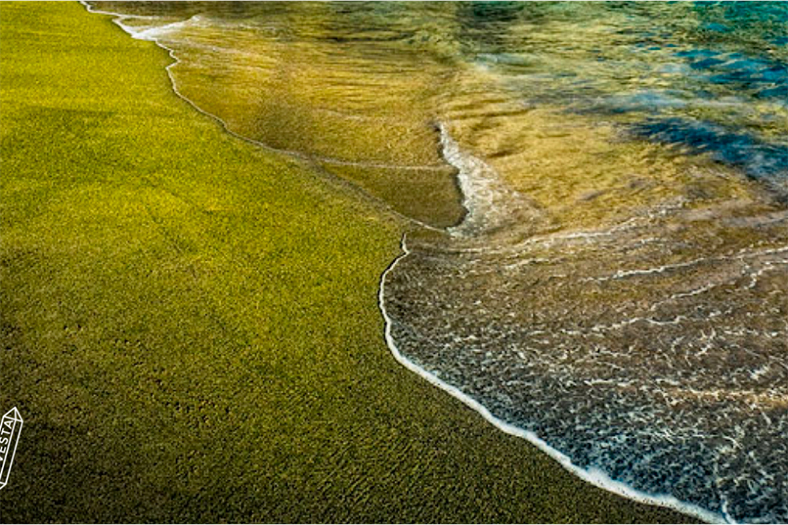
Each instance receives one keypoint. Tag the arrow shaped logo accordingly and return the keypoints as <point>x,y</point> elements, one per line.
<point>10,428</point>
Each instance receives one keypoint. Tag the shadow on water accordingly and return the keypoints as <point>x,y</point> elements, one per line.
<point>758,158</point>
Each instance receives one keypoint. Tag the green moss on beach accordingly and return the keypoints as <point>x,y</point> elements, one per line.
<point>189,324</point>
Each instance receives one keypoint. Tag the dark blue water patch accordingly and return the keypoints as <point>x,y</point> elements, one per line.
<point>775,74</point>
<point>761,77</point>
<point>706,63</point>
<point>779,92</point>
<point>757,157</point>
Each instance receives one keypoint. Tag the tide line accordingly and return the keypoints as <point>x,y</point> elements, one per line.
<point>596,477</point>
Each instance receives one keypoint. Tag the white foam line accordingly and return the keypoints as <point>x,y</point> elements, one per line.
<point>621,274</point>
<point>480,187</point>
<point>118,20</point>
<point>594,476</point>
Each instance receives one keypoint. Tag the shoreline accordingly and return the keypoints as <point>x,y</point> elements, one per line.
<point>194,388</point>
<point>593,477</point>
<point>598,479</point>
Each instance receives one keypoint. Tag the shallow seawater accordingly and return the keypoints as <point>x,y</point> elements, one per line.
<point>604,185</point>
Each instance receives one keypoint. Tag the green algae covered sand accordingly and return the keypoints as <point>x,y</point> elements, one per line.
<point>190,327</point>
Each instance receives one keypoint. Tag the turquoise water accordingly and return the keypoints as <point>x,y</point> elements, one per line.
<point>615,284</point>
